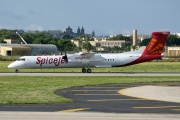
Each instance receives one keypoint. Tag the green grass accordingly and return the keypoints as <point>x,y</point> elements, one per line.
<point>40,90</point>
<point>9,58</point>
<point>142,67</point>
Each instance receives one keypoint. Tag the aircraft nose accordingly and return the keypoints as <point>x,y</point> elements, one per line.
<point>12,65</point>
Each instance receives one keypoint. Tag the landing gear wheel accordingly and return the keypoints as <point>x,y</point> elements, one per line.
<point>83,70</point>
<point>16,70</point>
<point>88,70</point>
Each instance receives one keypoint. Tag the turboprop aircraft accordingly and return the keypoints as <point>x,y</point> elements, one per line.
<point>90,59</point>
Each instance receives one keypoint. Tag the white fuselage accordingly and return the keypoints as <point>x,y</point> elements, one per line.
<point>76,60</point>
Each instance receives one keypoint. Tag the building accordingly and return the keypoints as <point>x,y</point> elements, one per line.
<point>78,43</point>
<point>14,50</point>
<point>82,31</point>
<point>69,30</point>
<point>27,49</point>
<point>93,33</point>
<point>100,43</point>
<point>78,31</point>
<point>142,37</point>
<point>111,43</point>
<point>172,51</point>
<point>12,41</point>
<point>134,37</point>
<point>70,33</point>
<point>59,34</point>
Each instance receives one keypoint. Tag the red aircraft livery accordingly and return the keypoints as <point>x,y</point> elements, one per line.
<point>48,60</point>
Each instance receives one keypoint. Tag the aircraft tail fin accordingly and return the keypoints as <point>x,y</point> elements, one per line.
<point>156,45</point>
<point>154,49</point>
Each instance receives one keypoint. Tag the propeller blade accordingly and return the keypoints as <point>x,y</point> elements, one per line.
<point>65,56</point>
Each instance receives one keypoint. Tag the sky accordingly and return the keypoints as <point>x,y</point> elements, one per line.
<point>105,17</point>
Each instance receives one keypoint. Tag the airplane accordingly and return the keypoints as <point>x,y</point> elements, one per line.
<point>90,59</point>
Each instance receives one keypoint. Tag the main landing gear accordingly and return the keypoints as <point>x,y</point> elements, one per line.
<point>84,70</point>
<point>16,70</point>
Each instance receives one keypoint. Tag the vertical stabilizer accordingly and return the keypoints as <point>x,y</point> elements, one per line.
<point>156,45</point>
<point>154,49</point>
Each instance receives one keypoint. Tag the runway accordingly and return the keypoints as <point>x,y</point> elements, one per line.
<point>84,116</point>
<point>89,74</point>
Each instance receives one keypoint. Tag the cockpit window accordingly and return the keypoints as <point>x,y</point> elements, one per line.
<point>21,59</point>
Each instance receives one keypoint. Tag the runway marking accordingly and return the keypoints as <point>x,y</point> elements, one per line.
<point>91,90</point>
<point>74,110</point>
<point>148,107</point>
<point>148,97</point>
<point>122,93</point>
<point>95,94</point>
<point>112,100</point>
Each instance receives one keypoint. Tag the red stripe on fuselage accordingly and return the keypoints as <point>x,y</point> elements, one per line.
<point>143,58</point>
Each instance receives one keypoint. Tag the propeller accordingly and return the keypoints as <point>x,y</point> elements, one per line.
<point>65,57</point>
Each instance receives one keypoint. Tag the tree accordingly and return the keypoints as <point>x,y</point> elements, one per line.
<point>88,46</point>
<point>134,47</point>
<point>121,37</point>
<point>173,40</point>
<point>126,46</point>
<point>42,38</point>
<point>66,45</point>
<point>8,34</point>
<point>145,42</point>
<point>28,37</point>
<point>116,49</point>
<point>66,37</point>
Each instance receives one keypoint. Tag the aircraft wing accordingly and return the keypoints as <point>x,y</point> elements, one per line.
<point>87,54</point>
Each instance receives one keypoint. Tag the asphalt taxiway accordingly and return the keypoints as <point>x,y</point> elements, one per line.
<point>116,98</point>
<point>116,101</point>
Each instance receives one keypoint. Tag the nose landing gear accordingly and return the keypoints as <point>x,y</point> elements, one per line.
<point>16,70</point>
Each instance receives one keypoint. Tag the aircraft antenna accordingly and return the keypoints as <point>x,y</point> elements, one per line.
<point>21,38</point>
